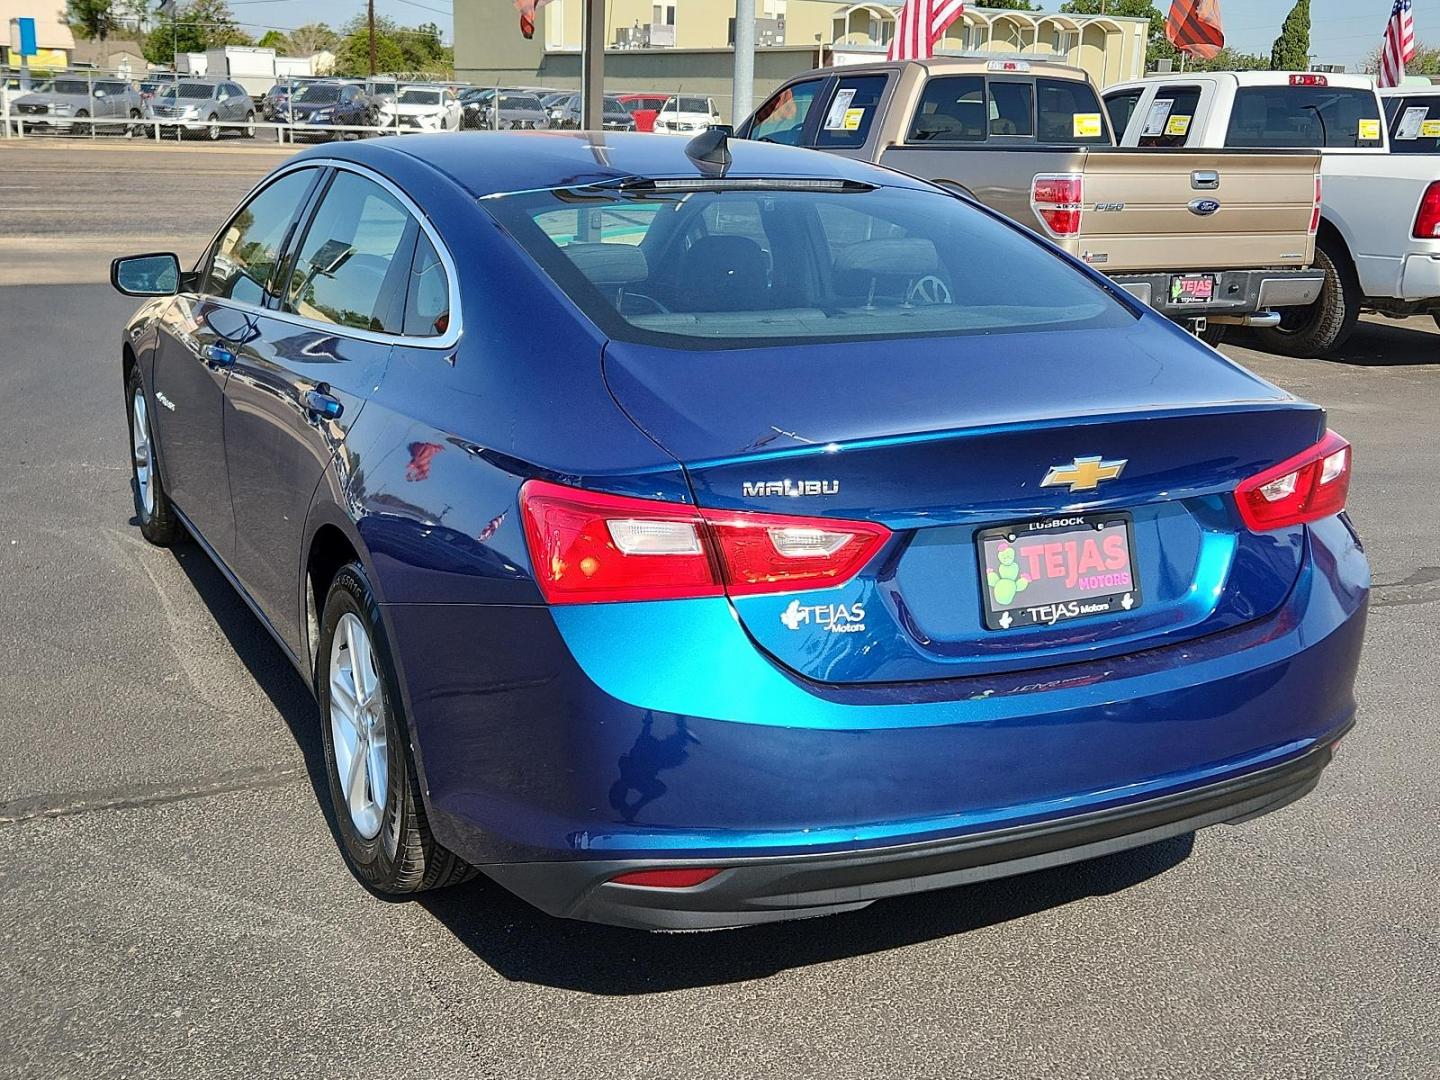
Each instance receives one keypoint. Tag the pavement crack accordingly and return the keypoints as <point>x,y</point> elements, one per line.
<point>131,796</point>
<point>1421,587</point>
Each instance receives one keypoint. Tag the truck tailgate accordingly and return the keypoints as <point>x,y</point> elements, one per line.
<point>1156,210</point>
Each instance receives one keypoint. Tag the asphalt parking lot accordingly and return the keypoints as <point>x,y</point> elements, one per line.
<point>172,903</point>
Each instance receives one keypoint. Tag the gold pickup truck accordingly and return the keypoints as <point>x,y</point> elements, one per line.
<point>1207,238</point>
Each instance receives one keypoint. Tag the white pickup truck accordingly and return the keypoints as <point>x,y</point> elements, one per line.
<point>1379,236</point>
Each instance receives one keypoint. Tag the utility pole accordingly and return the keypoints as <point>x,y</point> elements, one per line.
<point>372,37</point>
<point>744,88</point>
<point>592,67</point>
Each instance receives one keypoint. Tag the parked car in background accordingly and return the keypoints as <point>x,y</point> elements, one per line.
<point>333,104</point>
<point>157,82</point>
<point>420,108</point>
<point>275,105</point>
<point>488,109</point>
<point>472,427</point>
<point>684,114</point>
<point>197,108</point>
<point>1379,226</point>
<point>1207,239</point>
<point>68,104</point>
<point>615,117</point>
<point>644,108</point>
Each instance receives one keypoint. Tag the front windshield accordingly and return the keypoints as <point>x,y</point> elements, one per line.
<point>193,91</point>
<point>69,86</point>
<point>732,267</point>
<point>688,104</point>
<point>419,97</point>
<point>319,95</point>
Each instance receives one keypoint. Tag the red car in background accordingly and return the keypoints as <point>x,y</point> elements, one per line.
<point>644,108</point>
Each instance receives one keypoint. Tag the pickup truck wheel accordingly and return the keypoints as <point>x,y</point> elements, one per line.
<point>1325,325</point>
<point>1214,334</point>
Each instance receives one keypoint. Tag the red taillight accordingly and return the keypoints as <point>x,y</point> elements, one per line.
<point>1309,80</point>
<point>682,877</point>
<point>1057,200</point>
<point>588,547</point>
<point>1315,213</point>
<point>1309,486</point>
<point>1427,221</point>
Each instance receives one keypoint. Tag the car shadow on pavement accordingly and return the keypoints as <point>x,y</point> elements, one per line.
<point>524,945</point>
<point>1378,344</point>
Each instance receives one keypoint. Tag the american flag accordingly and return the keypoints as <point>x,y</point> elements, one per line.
<point>1399,47</point>
<point>920,27</point>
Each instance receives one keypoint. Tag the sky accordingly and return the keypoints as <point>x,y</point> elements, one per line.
<point>1341,31</point>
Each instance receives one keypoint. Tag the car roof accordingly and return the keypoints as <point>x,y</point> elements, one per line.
<point>500,162</point>
<point>1247,78</point>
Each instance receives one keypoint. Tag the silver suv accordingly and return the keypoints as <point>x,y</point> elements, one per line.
<point>69,104</point>
<point>197,107</point>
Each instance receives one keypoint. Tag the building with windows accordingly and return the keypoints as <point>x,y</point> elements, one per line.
<point>685,45</point>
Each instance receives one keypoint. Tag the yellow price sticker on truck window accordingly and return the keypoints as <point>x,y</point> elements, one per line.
<point>1087,125</point>
<point>853,119</point>
<point>1370,130</point>
<point>1430,129</point>
<point>1178,125</point>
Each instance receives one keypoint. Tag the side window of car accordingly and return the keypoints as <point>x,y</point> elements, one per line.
<point>1167,125</point>
<point>782,118</point>
<point>952,109</point>
<point>851,111</point>
<point>427,304</point>
<point>243,261</point>
<point>347,272</point>
<point>1121,106</point>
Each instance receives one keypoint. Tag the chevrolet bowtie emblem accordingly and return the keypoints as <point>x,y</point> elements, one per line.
<point>1083,474</point>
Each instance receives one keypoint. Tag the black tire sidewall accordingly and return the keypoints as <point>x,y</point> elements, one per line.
<point>1330,320</point>
<point>374,861</point>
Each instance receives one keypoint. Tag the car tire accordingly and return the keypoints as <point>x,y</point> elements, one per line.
<point>375,791</point>
<point>1214,334</point>
<point>212,128</point>
<point>159,523</point>
<point>248,131</point>
<point>136,126</point>
<point>1325,325</point>
<point>78,127</point>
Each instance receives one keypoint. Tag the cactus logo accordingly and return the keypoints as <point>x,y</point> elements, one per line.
<point>1005,580</point>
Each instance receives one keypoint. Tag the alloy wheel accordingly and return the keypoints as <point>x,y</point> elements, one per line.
<point>358,728</point>
<point>143,457</point>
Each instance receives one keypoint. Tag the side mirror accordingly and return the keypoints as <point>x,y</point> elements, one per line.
<point>99,93</point>
<point>146,275</point>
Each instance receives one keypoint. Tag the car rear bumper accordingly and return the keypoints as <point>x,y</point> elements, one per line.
<point>766,890</point>
<point>1237,292</point>
<point>559,747</point>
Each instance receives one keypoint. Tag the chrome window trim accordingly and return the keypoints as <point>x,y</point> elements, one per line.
<point>447,340</point>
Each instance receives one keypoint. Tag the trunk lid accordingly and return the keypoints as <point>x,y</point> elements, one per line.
<point>941,439</point>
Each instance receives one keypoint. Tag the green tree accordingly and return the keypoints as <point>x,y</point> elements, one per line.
<point>312,38</point>
<point>199,25</point>
<point>274,39</point>
<point>91,19</point>
<point>397,48</point>
<point>1157,46</point>
<point>1228,59</point>
<point>1007,5</point>
<point>1291,51</point>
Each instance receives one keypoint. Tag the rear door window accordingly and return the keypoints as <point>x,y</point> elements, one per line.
<point>1067,111</point>
<point>782,118</point>
<point>851,111</point>
<point>1170,117</point>
<point>1121,107</point>
<point>347,272</point>
<point>1415,124</point>
<point>427,303</point>
<point>243,262</point>
<point>952,109</point>
<point>1305,117</point>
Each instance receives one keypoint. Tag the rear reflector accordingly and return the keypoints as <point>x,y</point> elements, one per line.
<point>1427,221</point>
<point>588,547</point>
<point>1311,485</point>
<point>1319,200</point>
<point>685,877</point>
<point>1057,200</point>
<point>1309,80</point>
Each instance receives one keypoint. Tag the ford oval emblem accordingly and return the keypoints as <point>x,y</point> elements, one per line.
<point>1204,207</point>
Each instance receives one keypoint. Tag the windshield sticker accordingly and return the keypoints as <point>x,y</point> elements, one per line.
<point>1159,113</point>
<point>1430,129</point>
<point>1178,125</point>
<point>835,119</point>
<point>853,119</point>
<point>1087,125</point>
<point>1411,123</point>
<point>1369,130</point>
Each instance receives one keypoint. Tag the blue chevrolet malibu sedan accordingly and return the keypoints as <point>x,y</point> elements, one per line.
<point>695,535</point>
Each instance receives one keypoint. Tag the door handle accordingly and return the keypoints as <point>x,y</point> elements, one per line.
<point>217,355</point>
<point>321,404</point>
<point>1205,180</point>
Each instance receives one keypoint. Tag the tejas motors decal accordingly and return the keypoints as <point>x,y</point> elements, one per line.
<point>764,489</point>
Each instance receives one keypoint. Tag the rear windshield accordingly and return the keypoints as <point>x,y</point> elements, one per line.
<point>971,108</point>
<point>320,94</point>
<point>734,268</point>
<point>1414,124</point>
<point>1304,116</point>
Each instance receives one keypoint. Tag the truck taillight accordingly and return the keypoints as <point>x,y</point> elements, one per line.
<point>1311,485</point>
<point>1309,79</point>
<point>1427,221</point>
<point>590,547</point>
<point>1058,199</point>
<point>1315,213</point>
